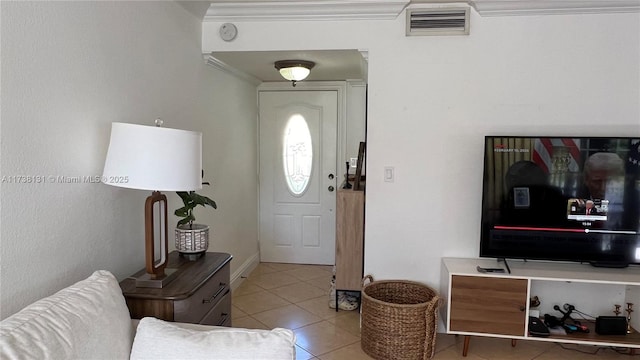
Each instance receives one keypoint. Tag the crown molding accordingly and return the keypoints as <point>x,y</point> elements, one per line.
<point>553,7</point>
<point>305,10</point>
<point>364,54</point>
<point>284,10</point>
<point>222,66</point>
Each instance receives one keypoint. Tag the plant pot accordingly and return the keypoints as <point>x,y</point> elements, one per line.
<point>192,239</point>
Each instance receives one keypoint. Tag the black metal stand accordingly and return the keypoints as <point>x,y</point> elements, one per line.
<point>346,186</point>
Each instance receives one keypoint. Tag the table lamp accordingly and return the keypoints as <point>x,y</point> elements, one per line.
<point>157,159</point>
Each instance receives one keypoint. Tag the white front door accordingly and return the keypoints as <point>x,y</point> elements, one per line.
<point>298,180</point>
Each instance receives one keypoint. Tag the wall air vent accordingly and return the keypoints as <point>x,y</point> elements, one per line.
<point>438,21</point>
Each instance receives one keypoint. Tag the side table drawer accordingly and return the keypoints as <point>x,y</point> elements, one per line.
<point>195,294</point>
<point>220,315</point>
<point>193,309</point>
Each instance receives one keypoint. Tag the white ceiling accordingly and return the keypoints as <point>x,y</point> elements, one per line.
<point>331,65</point>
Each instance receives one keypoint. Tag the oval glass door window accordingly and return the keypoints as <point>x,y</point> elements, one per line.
<point>297,154</point>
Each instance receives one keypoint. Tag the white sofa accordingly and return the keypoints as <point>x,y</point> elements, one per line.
<point>90,320</point>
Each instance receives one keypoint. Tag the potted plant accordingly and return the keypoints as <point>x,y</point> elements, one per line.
<point>192,239</point>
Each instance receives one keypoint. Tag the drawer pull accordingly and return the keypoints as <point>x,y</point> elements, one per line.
<point>223,319</point>
<point>220,290</point>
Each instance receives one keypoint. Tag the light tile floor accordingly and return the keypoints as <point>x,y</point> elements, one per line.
<point>296,297</point>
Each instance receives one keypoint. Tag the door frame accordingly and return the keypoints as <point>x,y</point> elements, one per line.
<point>340,87</point>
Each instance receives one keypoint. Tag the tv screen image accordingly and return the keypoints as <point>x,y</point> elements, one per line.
<point>562,198</point>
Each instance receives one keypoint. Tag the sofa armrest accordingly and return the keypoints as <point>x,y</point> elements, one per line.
<point>87,320</point>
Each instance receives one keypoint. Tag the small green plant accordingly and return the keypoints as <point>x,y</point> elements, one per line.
<point>191,199</point>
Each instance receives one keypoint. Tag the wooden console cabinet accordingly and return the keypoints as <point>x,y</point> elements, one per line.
<point>497,304</point>
<point>488,305</point>
<point>199,294</point>
<point>349,239</point>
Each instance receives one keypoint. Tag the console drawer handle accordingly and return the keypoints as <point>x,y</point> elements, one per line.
<point>220,290</point>
<point>224,318</point>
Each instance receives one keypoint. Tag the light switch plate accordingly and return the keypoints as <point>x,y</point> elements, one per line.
<point>389,174</point>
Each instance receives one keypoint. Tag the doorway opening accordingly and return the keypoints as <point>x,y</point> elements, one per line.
<point>296,212</point>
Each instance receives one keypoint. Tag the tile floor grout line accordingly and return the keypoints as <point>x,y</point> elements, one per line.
<point>275,308</point>
<point>306,350</point>
<point>336,349</point>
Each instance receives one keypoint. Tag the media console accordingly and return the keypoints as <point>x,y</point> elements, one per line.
<point>497,304</point>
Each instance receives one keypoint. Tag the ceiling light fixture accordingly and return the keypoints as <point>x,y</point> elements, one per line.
<point>294,70</point>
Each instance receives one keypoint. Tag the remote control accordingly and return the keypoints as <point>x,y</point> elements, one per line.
<point>489,270</point>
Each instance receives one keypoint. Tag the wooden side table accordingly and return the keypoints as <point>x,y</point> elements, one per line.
<point>199,294</point>
<point>349,240</point>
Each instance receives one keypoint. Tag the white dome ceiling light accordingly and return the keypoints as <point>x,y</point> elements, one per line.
<point>294,70</point>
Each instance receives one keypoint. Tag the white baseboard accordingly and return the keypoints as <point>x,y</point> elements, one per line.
<point>243,271</point>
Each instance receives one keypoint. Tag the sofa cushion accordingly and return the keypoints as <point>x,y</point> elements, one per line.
<point>157,339</point>
<point>87,320</point>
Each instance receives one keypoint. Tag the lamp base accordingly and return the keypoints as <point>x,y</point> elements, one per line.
<point>146,281</point>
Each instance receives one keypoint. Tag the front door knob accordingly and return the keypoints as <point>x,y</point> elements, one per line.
<point>331,176</point>
<point>331,188</point>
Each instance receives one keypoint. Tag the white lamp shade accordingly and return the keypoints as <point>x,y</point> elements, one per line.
<point>153,158</point>
<point>296,73</point>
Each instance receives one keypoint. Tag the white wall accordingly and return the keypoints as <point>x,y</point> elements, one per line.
<point>356,120</point>
<point>69,69</point>
<point>432,100</point>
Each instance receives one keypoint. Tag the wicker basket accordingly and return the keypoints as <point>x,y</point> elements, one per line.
<point>399,319</point>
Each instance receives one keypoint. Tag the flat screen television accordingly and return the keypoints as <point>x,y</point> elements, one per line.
<point>562,198</point>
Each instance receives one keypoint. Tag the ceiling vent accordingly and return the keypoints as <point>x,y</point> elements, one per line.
<point>439,21</point>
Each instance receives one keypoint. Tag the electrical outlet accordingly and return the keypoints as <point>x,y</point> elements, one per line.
<point>353,162</point>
